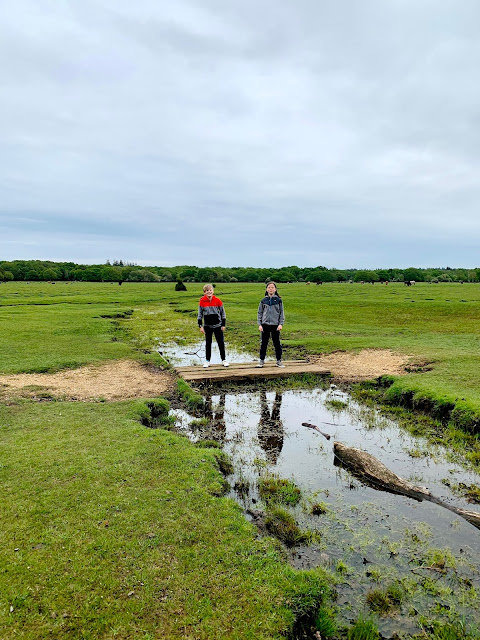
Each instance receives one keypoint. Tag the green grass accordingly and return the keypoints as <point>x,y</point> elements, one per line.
<point>283,526</point>
<point>433,323</point>
<point>111,529</point>
<point>274,490</point>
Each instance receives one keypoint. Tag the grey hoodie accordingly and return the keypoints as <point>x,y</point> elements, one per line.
<point>270,311</point>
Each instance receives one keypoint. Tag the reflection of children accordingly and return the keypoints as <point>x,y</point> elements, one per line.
<point>217,428</point>
<point>270,427</point>
<point>211,314</point>
<point>270,319</point>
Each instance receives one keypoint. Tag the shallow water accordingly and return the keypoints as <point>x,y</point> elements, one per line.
<point>378,536</point>
<point>189,355</point>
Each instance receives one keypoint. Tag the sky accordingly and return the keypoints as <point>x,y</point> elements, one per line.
<point>263,133</point>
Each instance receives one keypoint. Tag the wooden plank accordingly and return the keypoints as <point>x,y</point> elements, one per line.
<point>245,370</point>
<point>239,365</point>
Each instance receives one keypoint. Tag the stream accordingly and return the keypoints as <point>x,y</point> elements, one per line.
<point>368,538</point>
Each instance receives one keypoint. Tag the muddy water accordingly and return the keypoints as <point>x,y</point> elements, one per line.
<point>367,538</point>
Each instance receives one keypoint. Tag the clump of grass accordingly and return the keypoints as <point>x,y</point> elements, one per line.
<point>155,413</point>
<point>336,405</point>
<point>449,631</point>
<point>318,508</point>
<point>191,398</point>
<point>199,422</point>
<point>363,629</point>
<point>439,559</point>
<point>208,444</point>
<point>417,453</point>
<point>383,601</point>
<point>284,527</point>
<point>342,568</point>
<point>278,490</point>
<point>325,623</point>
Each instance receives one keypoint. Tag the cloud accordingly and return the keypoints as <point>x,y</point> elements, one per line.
<point>253,133</point>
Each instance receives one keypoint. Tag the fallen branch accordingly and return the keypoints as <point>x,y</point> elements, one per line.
<point>371,471</point>
<point>314,426</point>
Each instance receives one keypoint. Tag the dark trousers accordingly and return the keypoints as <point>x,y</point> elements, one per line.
<point>270,330</point>
<point>208,342</point>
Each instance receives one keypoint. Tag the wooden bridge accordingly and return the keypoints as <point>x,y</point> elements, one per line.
<point>248,371</point>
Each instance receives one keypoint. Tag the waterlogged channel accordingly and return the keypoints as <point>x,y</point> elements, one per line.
<point>369,539</point>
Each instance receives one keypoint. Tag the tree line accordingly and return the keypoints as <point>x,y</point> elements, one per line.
<point>120,271</point>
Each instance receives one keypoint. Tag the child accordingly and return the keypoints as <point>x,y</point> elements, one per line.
<point>270,318</point>
<point>212,314</point>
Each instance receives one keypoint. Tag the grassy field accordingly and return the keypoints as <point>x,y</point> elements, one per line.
<point>113,530</point>
<point>435,324</point>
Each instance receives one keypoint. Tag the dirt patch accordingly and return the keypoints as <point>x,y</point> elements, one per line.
<point>367,364</point>
<point>124,379</point>
<point>119,380</point>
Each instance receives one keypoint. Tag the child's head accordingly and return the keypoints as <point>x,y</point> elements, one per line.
<point>271,288</point>
<point>207,287</point>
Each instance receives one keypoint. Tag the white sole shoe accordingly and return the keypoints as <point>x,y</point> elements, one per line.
<point>206,365</point>
<point>226,364</point>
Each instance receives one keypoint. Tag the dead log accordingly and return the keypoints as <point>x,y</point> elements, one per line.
<point>374,473</point>
<point>314,426</point>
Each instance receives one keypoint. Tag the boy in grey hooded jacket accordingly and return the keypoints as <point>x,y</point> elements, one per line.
<point>270,318</point>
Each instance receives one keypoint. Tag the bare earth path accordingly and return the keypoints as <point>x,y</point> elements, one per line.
<point>124,379</point>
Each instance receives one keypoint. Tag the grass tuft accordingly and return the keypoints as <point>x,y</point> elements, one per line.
<point>274,490</point>
<point>283,526</point>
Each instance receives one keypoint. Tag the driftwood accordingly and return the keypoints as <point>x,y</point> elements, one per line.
<point>374,473</point>
<point>314,426</point>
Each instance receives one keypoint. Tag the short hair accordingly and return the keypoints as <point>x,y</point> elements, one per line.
<point>208,286</point>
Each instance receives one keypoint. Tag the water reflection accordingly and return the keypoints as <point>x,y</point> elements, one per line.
<point>270,427</point>
<point>266,432</point>
<point>216,416</point>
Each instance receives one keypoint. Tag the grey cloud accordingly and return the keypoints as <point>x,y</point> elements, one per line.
<point>322,124</point>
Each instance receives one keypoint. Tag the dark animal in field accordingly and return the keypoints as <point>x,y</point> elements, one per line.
<point>409,283</point>
<point>375,474</point>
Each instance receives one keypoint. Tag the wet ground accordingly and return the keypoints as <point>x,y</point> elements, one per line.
<point>368,538</point>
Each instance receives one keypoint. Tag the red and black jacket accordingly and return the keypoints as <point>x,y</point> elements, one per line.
<point>211,312</point>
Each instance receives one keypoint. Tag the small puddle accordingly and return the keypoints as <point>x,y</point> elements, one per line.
<point>368,538</point>
<point>189,355</point>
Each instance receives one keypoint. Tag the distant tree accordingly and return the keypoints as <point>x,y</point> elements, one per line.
<point>383,275</point>
<point>32,274</point>
<point>180,286</point>
<point>413,274</point>
<point>366,276</point>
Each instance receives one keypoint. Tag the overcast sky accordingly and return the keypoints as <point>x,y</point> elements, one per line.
<point>253,133</point>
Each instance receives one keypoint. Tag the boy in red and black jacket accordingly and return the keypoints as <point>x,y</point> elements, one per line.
<point>211,320</point>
